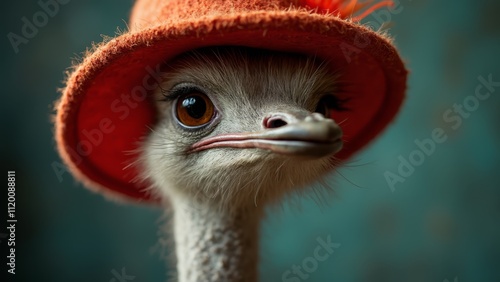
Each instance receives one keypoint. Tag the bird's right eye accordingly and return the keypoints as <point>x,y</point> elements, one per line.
<point>194,109</point>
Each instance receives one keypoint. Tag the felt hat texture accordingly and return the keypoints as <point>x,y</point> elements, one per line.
<point>106,111</point>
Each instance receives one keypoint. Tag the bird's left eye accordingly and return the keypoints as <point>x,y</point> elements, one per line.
<point>328,103</point>
<point>194,109</point>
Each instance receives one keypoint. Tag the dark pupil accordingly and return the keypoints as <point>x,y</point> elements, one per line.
<point>195,106</point>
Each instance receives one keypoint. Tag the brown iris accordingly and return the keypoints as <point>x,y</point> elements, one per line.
<point>194,109</point>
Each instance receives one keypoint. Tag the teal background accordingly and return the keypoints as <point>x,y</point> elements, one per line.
<point>441,223</point>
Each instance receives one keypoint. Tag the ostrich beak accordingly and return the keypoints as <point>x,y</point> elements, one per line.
<point>305,135</point>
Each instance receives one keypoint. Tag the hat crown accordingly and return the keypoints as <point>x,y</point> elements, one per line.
<point>148,13</point>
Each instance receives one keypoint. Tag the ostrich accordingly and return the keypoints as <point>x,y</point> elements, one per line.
<point>245,107</point>
<point>240,128</point>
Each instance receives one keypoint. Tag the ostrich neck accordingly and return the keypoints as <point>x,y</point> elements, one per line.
<point>212,245</point>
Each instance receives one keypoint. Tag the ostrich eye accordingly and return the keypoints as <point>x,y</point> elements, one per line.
<point>329,103</point>
<point>194,109</point>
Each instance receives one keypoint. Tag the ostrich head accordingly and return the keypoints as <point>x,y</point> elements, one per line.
<point>240,126</point>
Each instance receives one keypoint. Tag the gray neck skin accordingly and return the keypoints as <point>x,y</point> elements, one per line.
<point>214,246</point>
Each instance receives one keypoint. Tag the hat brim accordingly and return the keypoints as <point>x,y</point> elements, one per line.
<point>105,111</point>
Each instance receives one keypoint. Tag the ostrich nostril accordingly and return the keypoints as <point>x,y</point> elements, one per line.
<point>274,122</point>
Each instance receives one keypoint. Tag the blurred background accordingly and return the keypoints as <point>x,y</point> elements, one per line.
<point>399,213</point>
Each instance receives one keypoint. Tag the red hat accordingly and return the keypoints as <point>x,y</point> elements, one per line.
<point>105,110</point>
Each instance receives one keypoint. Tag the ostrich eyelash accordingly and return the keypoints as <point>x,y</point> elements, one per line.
<point>179,90</point>
<point>336,103</point>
